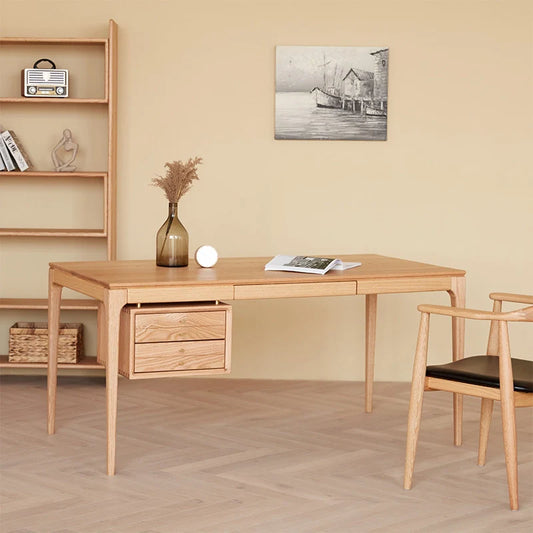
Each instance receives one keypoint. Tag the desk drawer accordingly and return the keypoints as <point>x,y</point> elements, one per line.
<point>160,340</point>
<point>295,290</point>
<point>184,355</point>
<point>199,325</point>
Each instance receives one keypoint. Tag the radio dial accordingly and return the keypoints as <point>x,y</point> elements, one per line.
<point>32,90</point>
<point>60,90</point>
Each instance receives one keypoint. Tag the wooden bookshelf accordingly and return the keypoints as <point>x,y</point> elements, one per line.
<point>108,47</point>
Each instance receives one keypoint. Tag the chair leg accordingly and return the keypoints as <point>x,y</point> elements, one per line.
<point>511,459</point>
<point>508,414</point>
<point>413,427</point>
<point>484,427</point>
<point>415,404</point>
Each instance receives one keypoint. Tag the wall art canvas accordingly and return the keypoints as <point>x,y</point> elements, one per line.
<point>328,92</point>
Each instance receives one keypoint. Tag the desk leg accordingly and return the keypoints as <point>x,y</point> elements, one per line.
<point>54,304</point>
<point>458,299</point>
<point>114,301</point>
<point>101,334</point>
<point>370,348</point>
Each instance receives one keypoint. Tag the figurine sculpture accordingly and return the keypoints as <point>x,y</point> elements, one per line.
<point>62,163</point>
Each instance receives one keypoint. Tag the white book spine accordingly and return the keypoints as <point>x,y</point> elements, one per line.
<point>15,151</point>
<point>4,155</point>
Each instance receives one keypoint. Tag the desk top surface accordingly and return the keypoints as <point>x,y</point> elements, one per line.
<point>242,271</point>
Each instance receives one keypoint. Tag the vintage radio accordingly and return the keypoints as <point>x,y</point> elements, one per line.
<point>45,82</point>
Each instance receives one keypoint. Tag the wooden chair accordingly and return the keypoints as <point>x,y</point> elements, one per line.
<point>495,376</point>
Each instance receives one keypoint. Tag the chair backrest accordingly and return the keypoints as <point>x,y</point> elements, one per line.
<point>524,314</point>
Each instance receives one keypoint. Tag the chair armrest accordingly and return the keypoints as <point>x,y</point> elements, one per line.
<point>515,298</point>
<point>525,314</point>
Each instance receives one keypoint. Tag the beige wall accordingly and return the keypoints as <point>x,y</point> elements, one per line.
<point>452,185</point>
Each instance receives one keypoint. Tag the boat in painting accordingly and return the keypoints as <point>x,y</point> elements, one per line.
<point>374,112</point>
<point>324,99</point>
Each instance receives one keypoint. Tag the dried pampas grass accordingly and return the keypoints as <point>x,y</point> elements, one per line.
<point>178,179</point>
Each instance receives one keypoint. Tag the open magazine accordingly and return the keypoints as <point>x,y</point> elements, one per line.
<point>307,265</point>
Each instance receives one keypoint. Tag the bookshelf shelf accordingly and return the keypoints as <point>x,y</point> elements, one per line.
<point>51,232</point>
<point>42,304</point>
<point>61,101</point>
<point>87,362</point>
<point>46,40</point>
<point>52,174</point>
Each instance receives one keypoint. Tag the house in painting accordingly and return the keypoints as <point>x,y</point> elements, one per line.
<point>358,84</point>
<point>381,78</point>
<point>366,92</point>
<point>357,90</point>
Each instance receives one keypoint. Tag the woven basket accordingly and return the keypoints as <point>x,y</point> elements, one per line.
<point>28,342</point>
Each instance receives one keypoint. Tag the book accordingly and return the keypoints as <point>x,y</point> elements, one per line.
<point>307,265</point>
<point>4,155</point>
<point>16,150</point>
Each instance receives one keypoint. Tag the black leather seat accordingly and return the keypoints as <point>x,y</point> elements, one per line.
<point>484,370</point>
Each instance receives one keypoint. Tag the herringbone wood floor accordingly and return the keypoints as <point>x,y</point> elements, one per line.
<point>208,455</point>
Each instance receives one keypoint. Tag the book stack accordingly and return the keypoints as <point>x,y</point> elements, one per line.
<point>12,154</point>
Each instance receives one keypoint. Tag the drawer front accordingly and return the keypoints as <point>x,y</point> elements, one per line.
<point>195,293</point>
<point>186,355</point>
<point>397,285</point>
<point>295,290</point>
<point>180,326</point>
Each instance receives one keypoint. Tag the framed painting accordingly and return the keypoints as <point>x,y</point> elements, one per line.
<point>332,93</point>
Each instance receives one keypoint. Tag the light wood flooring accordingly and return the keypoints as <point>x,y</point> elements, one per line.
<point>222,455</point>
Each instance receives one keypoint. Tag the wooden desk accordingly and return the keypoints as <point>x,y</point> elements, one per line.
<point>117,283</point>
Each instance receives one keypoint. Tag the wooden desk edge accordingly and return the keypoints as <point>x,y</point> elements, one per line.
<point>407,284</point>
<point>77,283</point>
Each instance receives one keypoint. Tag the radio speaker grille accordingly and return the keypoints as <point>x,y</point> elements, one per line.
<point>57,78</point>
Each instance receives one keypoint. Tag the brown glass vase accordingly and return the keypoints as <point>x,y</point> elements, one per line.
<point>172,241</point>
